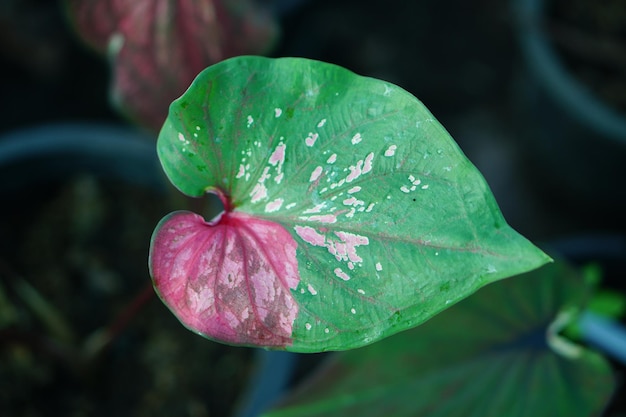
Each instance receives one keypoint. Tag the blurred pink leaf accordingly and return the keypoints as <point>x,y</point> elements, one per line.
<point>157,47</point>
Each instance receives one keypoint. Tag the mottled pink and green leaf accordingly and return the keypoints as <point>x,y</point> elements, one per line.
<point>351,211</point>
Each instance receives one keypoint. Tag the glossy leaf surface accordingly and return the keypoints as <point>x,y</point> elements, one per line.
<point>157,47</point>
<point>493,354</point>
<point>389,221</point>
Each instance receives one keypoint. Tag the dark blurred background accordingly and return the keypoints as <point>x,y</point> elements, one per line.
<point>462,59</point>
<point>553,177</point>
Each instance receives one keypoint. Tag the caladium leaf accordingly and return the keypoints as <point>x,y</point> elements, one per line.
<point>157,47</point>
<point>389,221</point>
<point>496,353</point>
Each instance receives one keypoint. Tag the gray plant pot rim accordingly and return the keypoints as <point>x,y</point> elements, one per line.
<point>548,68</point>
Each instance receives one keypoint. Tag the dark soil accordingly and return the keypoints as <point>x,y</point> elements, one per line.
<point>73,273</point>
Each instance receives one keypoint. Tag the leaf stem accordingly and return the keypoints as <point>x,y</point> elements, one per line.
<point>605,334</point>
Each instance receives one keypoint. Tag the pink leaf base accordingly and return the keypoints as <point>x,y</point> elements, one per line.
<point>229,279</point>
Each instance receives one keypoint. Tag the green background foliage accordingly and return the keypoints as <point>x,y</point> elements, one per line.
<point>489,355</point>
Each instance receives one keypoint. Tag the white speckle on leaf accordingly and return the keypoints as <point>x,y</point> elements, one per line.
<point>277,159</point>
<point>340,274</point>
<point>379,267</point>
<point>491,269</point>
<point>323,218</point>
<point>311,138</point>
<point>278,112</point>
<point>241,172</point>
<point>354,190</point>
<point>425,187</point>
<point>353,311</point>
<point>312,290</point>
<point>182,138</point>
<point>197,127</point>
<point>264,176</point>
<point>250,120</point>
<point>360,291</point>
<point>290,206</point>
<point>391,150</point>
<point>327,330</point>
<point>332,159</point>
<point>367,166</point>
<point>259,192</point>
<point>308,326</point>
<point>404,189</point>
<point>321,123</point>
<point>317,172</point>
<point>356,139</point>
<point>274,205</point>
<point>317,209</point>
<point>310,235</point>
<point>370,207</point>
<point>355,171</point>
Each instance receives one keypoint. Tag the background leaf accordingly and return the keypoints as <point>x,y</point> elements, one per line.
<point>486,356</point>
<point>392,222</point>
<point>157,47</point>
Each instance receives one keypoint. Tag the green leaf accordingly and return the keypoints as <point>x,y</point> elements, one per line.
<point>493,354</point>
<point>390,221</point>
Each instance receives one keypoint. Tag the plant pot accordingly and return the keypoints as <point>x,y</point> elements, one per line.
<point>576,141</point>
<point>81,330</point>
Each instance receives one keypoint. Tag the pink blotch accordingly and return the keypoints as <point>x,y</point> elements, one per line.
<point>310,140</point>
<point>278,156</point>
<point>340,274</point>
<point>317,172</point>
<point>323,218</point>
<point>310,235</point>
<point>352,241</point>
<point>274,205</point>
<point>259,192</point>
<point>391,150</point>
<point>367,166</point>
<point>355,171</point>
